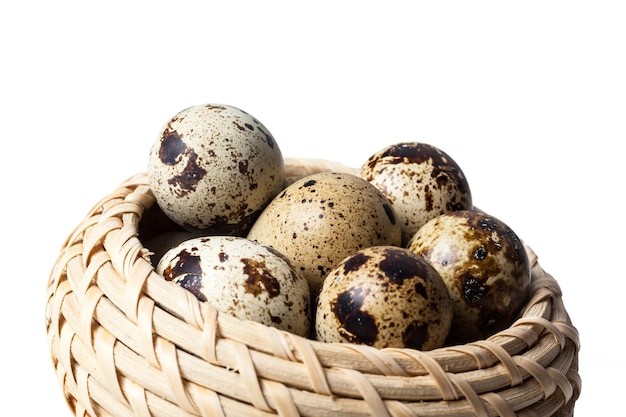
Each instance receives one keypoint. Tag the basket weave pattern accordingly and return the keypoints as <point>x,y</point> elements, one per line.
<point>125,342</point>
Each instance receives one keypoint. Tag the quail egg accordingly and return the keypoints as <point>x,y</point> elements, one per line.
<point>485,267</point>
<point>241,278</point>
<point>384,296</point>
<point>420,180</point>
<point>214,168</point>
<point>320,219</point>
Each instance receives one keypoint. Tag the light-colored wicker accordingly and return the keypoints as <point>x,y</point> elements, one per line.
<point>125,342</point>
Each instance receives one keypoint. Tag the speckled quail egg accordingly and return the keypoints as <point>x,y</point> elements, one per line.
<point>241,278</point>
<point>384,296</point>
<point>420,180</point>
<point>485,267</point>
<point>320,219</point>
<point>214,168</point>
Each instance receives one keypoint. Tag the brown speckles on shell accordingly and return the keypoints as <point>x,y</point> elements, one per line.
<point>185,262</point>
<point>192,283</point>
<point>355,262</point>
<point>171,151</point>
<point>187,181</point>
<point>260,278</point>
<point>484,265</point>
<point>384,296</point>
<point>398,265</point>
<point>172,147</point>
<point>420,180</point>
<point>357,325</point>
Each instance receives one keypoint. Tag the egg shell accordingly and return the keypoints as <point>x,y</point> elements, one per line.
<point>241,278</point>
<point>420,180</point>
<point>320,219</point>
<point>214,168</point>
<point>384,297</point>
<point>485,267</point>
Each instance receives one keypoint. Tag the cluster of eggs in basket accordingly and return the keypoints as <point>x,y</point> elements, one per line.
<point>393,254</point>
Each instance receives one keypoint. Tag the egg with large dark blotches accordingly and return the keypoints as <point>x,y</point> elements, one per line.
<point>384,296</point>
<point>320,219</point>
<point>214,168</point>
<point>420,180</point>
<point>241,278</point>
<point>485,267</point>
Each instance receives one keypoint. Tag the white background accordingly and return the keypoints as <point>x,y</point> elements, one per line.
<point>528,97</point>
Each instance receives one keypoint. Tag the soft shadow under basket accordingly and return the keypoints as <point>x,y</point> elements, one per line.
<point>125,342</point>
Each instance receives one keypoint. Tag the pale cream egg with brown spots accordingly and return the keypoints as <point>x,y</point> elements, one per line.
<point>384,296</point>
<point>214,168</point>
<point>320,219</point>
<point>420,180</point>
<point>242,278</point>
<point>485,267</point>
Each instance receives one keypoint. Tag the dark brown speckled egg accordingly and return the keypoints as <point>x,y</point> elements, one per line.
<point>214,168</point>
<point>420,180</point>
<point>485,267</point>
<point>384,296</point>
<point>241,278</point>
<point>322,218</point>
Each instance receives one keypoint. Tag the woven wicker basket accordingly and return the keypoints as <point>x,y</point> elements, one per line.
<point>125,342</point>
